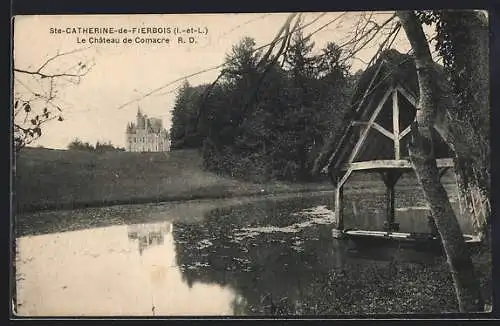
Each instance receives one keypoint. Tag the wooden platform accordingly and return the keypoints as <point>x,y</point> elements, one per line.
<point>400,235</point>
<point>374,239</point>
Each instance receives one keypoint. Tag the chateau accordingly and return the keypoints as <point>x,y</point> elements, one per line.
<point>147,135</point>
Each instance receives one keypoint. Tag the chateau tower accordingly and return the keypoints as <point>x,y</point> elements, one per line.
<point>141,119</point>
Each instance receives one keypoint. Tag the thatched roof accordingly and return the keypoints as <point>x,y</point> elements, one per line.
<point>392,68</point>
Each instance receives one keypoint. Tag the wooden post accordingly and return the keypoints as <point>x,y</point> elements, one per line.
<point>395,124</point>
<point>391,211</point>
<point>390,178</point>
<point>339,208</point>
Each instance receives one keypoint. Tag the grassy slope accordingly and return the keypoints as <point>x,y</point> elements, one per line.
<point>53,179</point>
<point>48,178</point>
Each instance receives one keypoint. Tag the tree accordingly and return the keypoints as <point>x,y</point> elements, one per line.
<point>318,87</point>
<point>424,162</point>
<point>184,131</point>
<point>268,121</point>
<point>298,132</point>
<point>78,145</point>
<point>100,146</point>
<point>463,43</point>
<point>226,107</point>
<point>36,94</point>
<point>299,60</point>
<point>333,92</point>
<point>242,61</point>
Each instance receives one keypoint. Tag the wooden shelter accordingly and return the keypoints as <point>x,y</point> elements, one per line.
<point>378,132</point>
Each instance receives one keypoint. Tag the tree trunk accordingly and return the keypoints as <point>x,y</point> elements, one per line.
<point>424,162</point>
<point>469,35</point>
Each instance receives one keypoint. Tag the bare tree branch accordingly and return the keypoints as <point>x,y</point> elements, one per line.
<point>357,46</point>
<point>326,25</point>
<point>43,75</point>
<point>387,42</point>
<point>156,90</point>
<point>49,60</point>
<point>360,35</point>
<point>39,104</point>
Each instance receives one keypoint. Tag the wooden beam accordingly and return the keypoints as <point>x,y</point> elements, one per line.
<point>341,146</point>
<point>390,164</point>
<point>395,124</point>
<point>344,178</point>
<point>359,123</point>
<point>339,207</point>
<point>341,143</point>
<point>383,131</point>
<point>360,142</point>
<point>377,127</point>
<point>469,238</point>
<point>390,176</point>
<point>405,132</point>
<point>445,162</point>
<point>412,100</point>
<point>369,88</point>
<point>407,95</point>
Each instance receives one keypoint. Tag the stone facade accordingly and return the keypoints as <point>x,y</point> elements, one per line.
<point>147,135</point>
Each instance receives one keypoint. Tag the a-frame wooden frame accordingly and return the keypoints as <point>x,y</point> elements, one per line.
<point>390,169</point>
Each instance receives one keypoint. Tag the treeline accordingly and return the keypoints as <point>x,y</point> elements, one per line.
<point>99,147</point>
<point>269,123</point>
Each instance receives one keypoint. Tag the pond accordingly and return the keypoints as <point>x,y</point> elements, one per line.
<point>252,257</point>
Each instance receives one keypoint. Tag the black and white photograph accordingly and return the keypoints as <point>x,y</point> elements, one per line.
<point>265,165</point>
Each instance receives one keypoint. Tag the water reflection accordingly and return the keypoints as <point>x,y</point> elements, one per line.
<point>113,271</point>
<point>149,234</point>
<point>369,212</point>
<point>271,257</point>
<point>281,259</point>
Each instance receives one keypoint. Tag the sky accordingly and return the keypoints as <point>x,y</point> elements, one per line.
<point>125,76</point>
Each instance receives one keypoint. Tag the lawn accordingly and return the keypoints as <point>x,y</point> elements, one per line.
<point>57,179</point>
<point>64,179</point>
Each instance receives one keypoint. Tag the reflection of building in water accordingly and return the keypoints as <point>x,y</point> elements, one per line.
<point>149,234</point>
